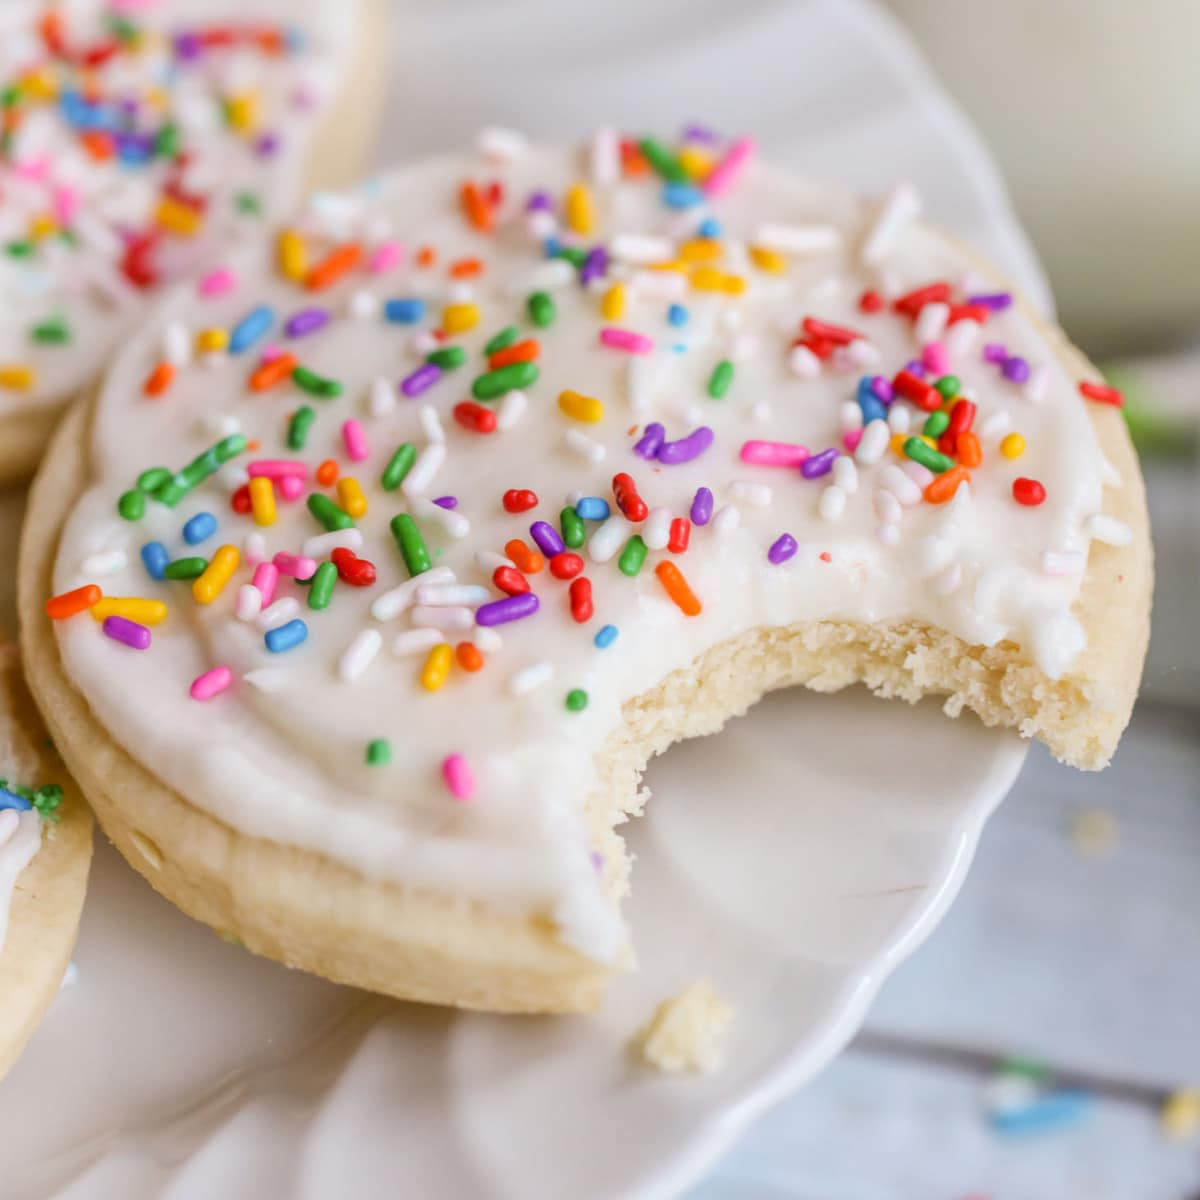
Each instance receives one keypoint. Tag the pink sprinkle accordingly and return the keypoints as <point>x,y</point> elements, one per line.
<point>66,204</point>
<point>266,577</point>
<point>627,340</point>
<point>356,440</point>
<point>851,438</point>
<point>291,487</point>
<point>218,282</point>
<point>34,168</point>
<point>298,566</point>
<point>934,358</point>
<point>271,353</point>
<point>459,779</point>
<point>277,468</point>
<point>211,683</point>
<point>385,257</point>
<point>774,454</point>
<point>727,172</point>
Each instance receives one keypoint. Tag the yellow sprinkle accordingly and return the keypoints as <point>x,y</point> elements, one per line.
<point>458,318</point>
<point>700,250</point>
<point>207,587</point>
<point>211,341</point>
<point>17,376</point>
<point>770,261</point>
<point>262,500</point>
<point>696,162</point>
<point>437,667</point>
<point>674,264</point>
<point>579,208</point>
<point>734,285</point>
<point>293,257</point>
<point>710,279</point>
<point>42,226</point>
<point>581,408</point>
<point>613,304</point>
<point>177,218</point>
<point>39,85</point>
<point>242,112</point>
<point>132,608</point>
<point>351,497</point>
<point>1180,1116</point>
<point>1012,446</point>
<point>897,443</point>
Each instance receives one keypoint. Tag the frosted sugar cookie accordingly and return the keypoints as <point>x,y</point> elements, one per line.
<point>136,138</point>
<point>45,851</point>
<point>514,469</point>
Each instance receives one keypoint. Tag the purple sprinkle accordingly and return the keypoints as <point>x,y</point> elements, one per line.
<point>700,133</point>
<point>511,608</point>
<point>1016,369</point>
<point>915,367</point>
<point>539,202</point>
<point>307,320</point>
<point>546,536</point>
<point>421,380</point>
<point>994,352</point>
<point>447,502</point>
<point>650,441</point>
<point>782,548</point>
<point>266,145</point>
<point>188,46</point>
<point>881,389</point>
<point>686,448</point>
<point>597,860</point>
<point>120,629</point>
<point>594,266</point>
<point>702,506</point>
<point>995,301</point>
<point>818,464</point>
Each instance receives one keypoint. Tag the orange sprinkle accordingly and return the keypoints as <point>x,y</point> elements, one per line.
<point>98,145</point>
<point>426,256</point>
<point>944,486</point>
<point>670,576</point>
<point>466,268</point>
<point>159,379</point>
<point>633,161</point>
<point>253,444</point>
<point>469,656</point>
<point>67,604</point>
<point>327,473</point>
<point>476,207</point>
<point>970,454</point>
<point>526,351</point>
<point>331,268</point>
<point>273,372</point>
<point>530,562</point>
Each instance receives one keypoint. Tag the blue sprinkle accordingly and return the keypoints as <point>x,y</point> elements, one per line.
<point>592,508</point>
<point>873,408</point>
<point>202,525</point>
<point>679,348</point>
<point>551,247</point>
<point>677,314</point>
<point>605,636</point>
<point>404,312</point>
<point>12,800</point>
<point>250,328</point>
<point>710,227</point>
<point>1053,1111</point>
<point>286,637</point>
<point>155,557</point>
<point>681,195</point>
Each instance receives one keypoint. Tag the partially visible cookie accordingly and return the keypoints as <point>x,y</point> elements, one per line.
<point>45,852</point>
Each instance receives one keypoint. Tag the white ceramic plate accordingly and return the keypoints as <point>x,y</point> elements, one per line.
<point>794,860</point>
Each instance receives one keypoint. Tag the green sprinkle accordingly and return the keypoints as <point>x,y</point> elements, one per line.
<point>926,455</point>
<point>949,386</point>
<point>412,544</point>
<point>52,332</point>
<point>573,531</point>
<point>399,466</point>
<point>720,379</point>
<point>166,141</point>
<point>299,425</point>
<point>577,700</point>
<point>21,249</point>
<point>632,556</point>
<point>185,568</point>
<point>316,385</point>
<point>936,424</point>
<point>379,752</point>
<point>328,513</point>
<point>132,505</point>
<point>448,357</point>
<point>45,800</point>
<point>151,479</point>
<point>11,95</point>
<point>541,309</point>
<point>230,447</point>
<point>248,203</point>
<point>573,254</point>
<point>506,379</point>
<point>501,341</point>
<point>320,591</point>
<point>663,161</point>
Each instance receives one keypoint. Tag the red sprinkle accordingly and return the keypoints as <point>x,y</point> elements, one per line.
<point>357,572</point>
<point>475,417</point>
<point>565,565</point>
<point>580,596</point>
<point>968,312</point>
<point>469,656</point>
<point>519,500</point>
<point>632,506</point>
<point>1028,491</point>
<point>924,395</point>
<point>911,303</point>
<point>240,500</point>
<point>681,534</point>
<point>510,581</point>
<point>823,348</point>
<point>1102,393</point>
<point>830,333</point>
<point>870,302</point>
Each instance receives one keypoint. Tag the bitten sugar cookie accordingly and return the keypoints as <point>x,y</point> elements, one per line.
<point>136,139</point>
<point>513,470</point>
<point>45,851</point>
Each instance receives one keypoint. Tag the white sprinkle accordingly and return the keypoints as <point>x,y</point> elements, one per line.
<point>640,248</point>
<point>267,679</point>
<point>996,425</point>
<point>358,656</point>
<point>231,477</point>
<point>1038,383</point>
<point>177,344</point>
<point>547,276</point>
<point>874,442</point>
<point>960,337</point>
<point>322,545</point>
<point>529,678</point>
<point>726,520</point>
<point>899,210</point>
<point>428,463</point>
<point>862,353</point>
<point>541,224</point>
<point>249,602</point>
<point>1058,640</point>
<point>899,417</point>
<point>604,157</point>
<point>440,594</point>
<point>760,411</point>
<point>931,322</point>
<point>381,399</point>
<point>757,495</point>
<point>887,507</point>
<point>888,534</point>
<point>487,639</point>
<point>415,641</point>
<point>219,425</point>
<point>803,362</point>
<point>436,617</point>
<point>489,560</point>
<point>900,485</point>
<point>1109,530</point>
<point>932,554</point>
<point>390,604</point>
<point>1063,562</point>
<point>832,504</point>
<point>502,145</point>
<point>460,292</point>
<point>422,343</point>
<point>279,613</point>
<point>254,548</point>
<point>797,239</point>
<point>451,520</point>
<point>743,347</point>
<point>849,416</point>
<point>922,476</point>
<point>363,305</point>
<point>585,447</point>
<point>106,562</point>
<point>950,580</point>
<point>845,474</point>
<point>656,531</point>
<point>511,410</point>
<point>658,285</point>
<point>431,423</point>
<point>610,535</point>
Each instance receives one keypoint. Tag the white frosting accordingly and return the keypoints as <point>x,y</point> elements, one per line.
<point>281,753</point>
<point>47,172</point>
<point>20,839</point>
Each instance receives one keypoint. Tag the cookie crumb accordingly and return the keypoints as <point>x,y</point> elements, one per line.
<point>1094,832</point>
<point>687,1030</point>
